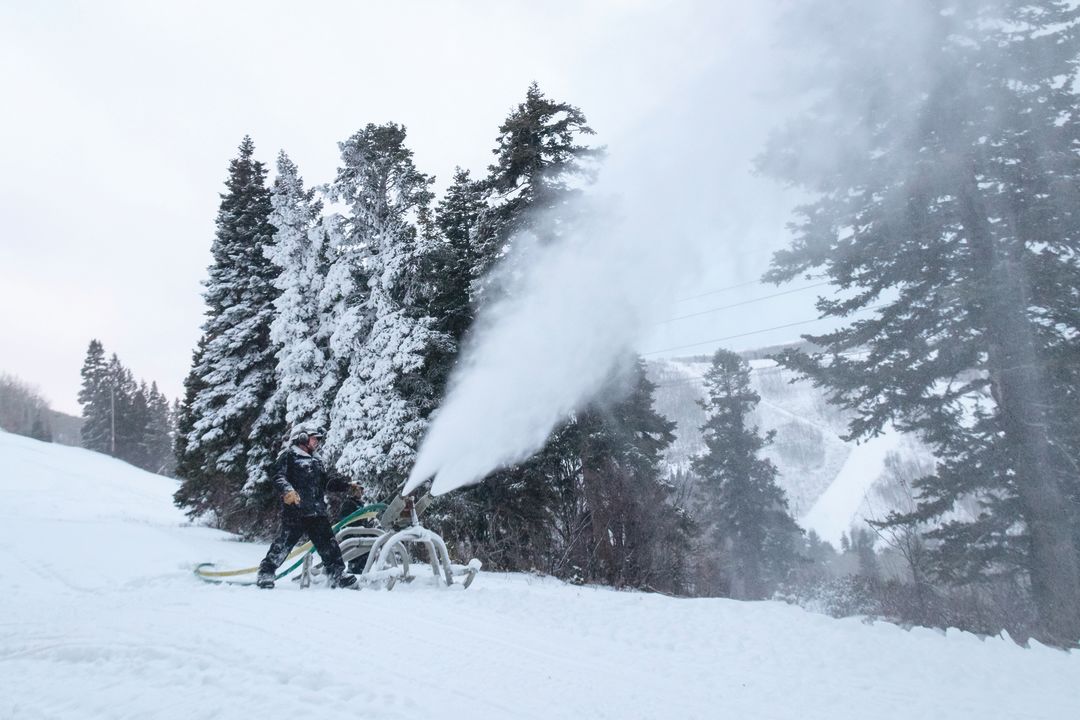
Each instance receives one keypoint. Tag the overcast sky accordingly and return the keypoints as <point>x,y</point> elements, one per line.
<point>120,119</point>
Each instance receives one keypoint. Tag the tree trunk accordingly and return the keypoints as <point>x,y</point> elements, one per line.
<point>1019,393</point>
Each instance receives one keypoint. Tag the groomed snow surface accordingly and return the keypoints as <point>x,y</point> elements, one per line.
<point>100,617</point>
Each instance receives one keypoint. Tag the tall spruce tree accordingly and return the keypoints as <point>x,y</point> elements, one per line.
<point>94,396</point>
<point>747,509</point>
<point>382,339</point>
<point>303,382</point>
<point>121,388</point>
<point>951,215</point>
<point>542,164</point>
<point>637,536</point>
<point>541,167</point>
<point>122,417</point>
<point>198,493</point>
<point>231,441</point>
<point>455,262</point>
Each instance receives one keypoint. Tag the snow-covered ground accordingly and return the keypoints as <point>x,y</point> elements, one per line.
<point>100,617</point>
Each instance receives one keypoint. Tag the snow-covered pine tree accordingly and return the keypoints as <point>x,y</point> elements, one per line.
<point>197,493</point>
<point>229,433</point>
<point>298,253</point>
<point>948,214</point>
<point>455,263</point>
<point>747,510</point>
<point>96,430</point>
<point>380,332</point>
<point>541,165</point>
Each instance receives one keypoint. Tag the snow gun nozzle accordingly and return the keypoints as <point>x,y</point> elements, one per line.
<point>415,480</point>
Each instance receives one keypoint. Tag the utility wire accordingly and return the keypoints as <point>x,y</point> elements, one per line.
<point>743,302</point>
<point>732,337</point>
<point>720,290</point>
<point>748,283</point>
<point>752,332</point>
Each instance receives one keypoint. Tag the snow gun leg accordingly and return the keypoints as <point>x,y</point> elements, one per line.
<point>305,573</point>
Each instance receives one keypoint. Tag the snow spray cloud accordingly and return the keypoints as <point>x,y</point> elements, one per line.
<point>545,350</point>
<point>672,190</point>
<point>678,196</point>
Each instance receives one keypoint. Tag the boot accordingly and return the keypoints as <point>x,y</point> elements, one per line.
<point>342,580</point>
<point>265,579</point>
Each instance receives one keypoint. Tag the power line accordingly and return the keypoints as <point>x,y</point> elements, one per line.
<point>732,337</point>
<point>748,283</point>
<point>747,334</point>
<point>743,302</point>
<point>720,290</point>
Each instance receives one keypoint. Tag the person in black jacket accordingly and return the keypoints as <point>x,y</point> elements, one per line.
<point>303,481</point>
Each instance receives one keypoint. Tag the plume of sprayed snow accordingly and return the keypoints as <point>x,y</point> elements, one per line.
<point>547,348</point>
<point>675,191</point>
<point>683,203</point>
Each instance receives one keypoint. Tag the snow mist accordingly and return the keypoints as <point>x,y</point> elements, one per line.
<point>547,349</point>
<point>677,198</point>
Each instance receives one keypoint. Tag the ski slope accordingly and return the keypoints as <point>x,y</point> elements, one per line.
<point>100,617</point>
<point>830,483</point>
<point>831,515</point>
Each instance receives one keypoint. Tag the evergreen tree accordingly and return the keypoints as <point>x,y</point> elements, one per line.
<point>232,439</point>
<point>136,421</point>
<point>541,165</point>
<point>94,396</point>
<point>748,511</point>
<point>638,537</point>
<point>122,417</point>
<point>383,339</point>
<point>198,493</point>
<point>455,263</point>
<point>299,254</point>
<point>950,217</point>
<point>158,436</point>
<point>127,432</point>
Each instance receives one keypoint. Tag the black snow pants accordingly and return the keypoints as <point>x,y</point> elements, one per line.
<point>317,528</point>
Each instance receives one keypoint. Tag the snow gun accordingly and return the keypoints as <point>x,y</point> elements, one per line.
<point>385,549</point>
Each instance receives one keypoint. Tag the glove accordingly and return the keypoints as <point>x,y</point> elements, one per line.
<point>355,490</point>
<point>291,498</point>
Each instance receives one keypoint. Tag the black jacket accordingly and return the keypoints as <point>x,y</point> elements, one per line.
<point>296,470</point>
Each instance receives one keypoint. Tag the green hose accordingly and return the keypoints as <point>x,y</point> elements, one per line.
<point>367,511</point>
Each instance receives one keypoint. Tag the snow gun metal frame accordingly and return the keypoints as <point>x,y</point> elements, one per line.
<point>388,548</point>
